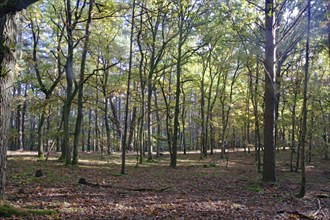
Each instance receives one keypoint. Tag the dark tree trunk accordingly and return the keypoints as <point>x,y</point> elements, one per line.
<point>19,123</point>
<point>293,131</point>
<point>304,110</point>
<point>268,174</point>
<point>32,133</point>
<point>124,136</point>
<point>202,111</point>
<point>24,110</point>
<point>183,117</point>
<point>158,123</point>
<point>89,148</point>
<point>142,87</point>
<point>177,92</point>
<point>256,115</point>
<point>40,146</point>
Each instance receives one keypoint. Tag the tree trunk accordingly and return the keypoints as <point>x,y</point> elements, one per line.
<point>183,116</point>
<point>304,110</point>
<point>81,86</point>
<point>19,118</point>
<point>293,131</point>
<point>202,110</point>
<point>89,147</point>
<point>158,124</point>
<point>177,93</point>
<point>142,88</point>
<point>24,110</point>
<point>7,67</point>
<point>40,146</point>
<point>69,89</point>
<point>124,136</point>
<point>268,174</point>
<point>256,115</point>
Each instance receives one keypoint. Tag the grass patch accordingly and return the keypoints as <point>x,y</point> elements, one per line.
<point>255,187</point>
<point>7,211</point>
<point>209,165</point>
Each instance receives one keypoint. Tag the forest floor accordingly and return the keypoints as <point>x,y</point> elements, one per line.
<point>196,189</point>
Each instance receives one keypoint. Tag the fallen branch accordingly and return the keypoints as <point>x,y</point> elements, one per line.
<point>323,196</point>
<point>85,182</point>
<point>146,189</point>
<point>300,215</point>
<point>296,213</point>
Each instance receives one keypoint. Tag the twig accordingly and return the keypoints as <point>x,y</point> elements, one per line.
<point>319,209</point>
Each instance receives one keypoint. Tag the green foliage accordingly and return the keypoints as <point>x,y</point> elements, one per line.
<point>256,187</point>
<point>7,211</point>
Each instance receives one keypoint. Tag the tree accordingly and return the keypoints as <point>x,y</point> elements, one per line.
<point>304,110</point>
<point>32,17</point>
<point>124,141</point>
<point>7,67</point>
<point>268,172</point>
<point>81,85</point>
<point>187,12</point>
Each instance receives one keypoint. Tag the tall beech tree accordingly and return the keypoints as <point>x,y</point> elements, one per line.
<point>304,109</point>
<point>81,84</point>
<point>268,172</point>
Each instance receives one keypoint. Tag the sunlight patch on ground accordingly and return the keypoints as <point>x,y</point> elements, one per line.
<point>104,162</point>
<point>22,153</point>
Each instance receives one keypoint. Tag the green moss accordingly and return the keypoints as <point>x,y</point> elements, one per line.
<point>7,210</point>
<point>255,187</point>
<point>41,212</point>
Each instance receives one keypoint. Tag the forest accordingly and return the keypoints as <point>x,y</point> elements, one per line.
<point>165,109</point>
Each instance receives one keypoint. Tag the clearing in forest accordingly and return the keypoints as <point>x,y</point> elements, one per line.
<point>196,189</point>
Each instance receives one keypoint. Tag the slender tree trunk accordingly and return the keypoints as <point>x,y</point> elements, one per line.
<point>304,110</point>
<point>310,139</point>
<point>24,110</point>
<point>81,86</point>
<point>142,87</point>
<point>19,117</point>
<point>299,145</point>
<point>183,117</point>
<point>41,135</point>
<point>131,141</point>
<point>89,148</point>
<point>177,94</point>
<point>268,174</point>
<point>96,125</point>
<point>202,111</point>
<point>293,131</point>
<point>124,141</point>
<point>69,89</point>
<point>107,124</point>
<point>32,133</point>
<point>256,115</point>
<point>158,123</point>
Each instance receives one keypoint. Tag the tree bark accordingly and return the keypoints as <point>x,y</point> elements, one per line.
<point>268,174</point>
<point>124,136</point>
<point>304,110</point>
<point>8,31</point>
<point>177,92</point>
